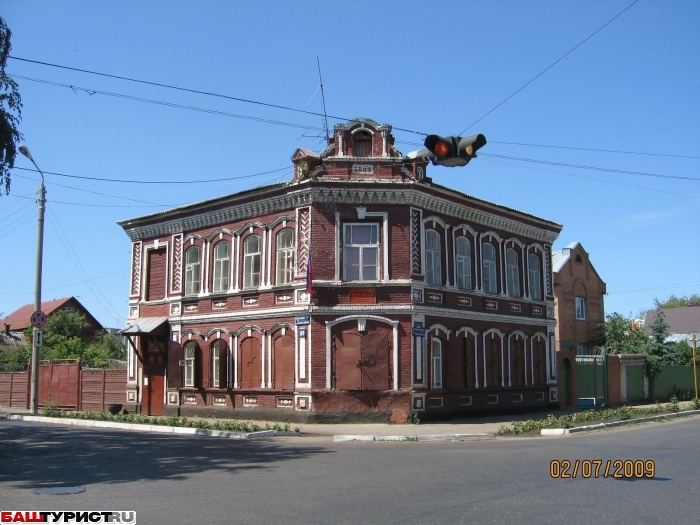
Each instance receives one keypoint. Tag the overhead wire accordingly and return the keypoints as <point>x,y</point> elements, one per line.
<point>68,285</point>
<point>24,220</point>
<point>548,67</point>
<point>195,91</point>
<point>79,266</point>
<point>596,149</point>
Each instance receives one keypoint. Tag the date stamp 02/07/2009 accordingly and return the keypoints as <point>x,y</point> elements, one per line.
<point>602,468</point>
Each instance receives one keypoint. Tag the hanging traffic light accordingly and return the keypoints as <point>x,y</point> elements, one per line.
<point>453,151</point>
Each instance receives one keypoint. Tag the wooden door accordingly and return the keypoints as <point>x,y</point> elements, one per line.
<point>284,363</point>
<point>251,370</point>
<point>153,394</point>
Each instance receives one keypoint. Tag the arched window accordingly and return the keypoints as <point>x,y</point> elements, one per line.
<point>192,270</point>
<point>219,364</point>
<point>285,256</point>
<point>533,264</point>
<point>251,262</point>
<point>221,266</point>
<point>362,144</point>
<point>512,273</point>
<point>190,349</point>
<point>489,266</point>
<point>433,268</point>
<point>437,363</point>
<point>463,258</point>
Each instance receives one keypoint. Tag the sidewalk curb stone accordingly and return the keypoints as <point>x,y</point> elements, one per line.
<point>150,428</point>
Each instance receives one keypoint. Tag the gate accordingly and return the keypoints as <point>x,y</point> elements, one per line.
<point>635,384</point>
<point>591,380</point>
<point>59,383</point>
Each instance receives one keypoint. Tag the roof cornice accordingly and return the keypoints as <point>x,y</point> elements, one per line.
<point>407,193</point>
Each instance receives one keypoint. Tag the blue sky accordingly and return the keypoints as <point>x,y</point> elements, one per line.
<point>431,67</point>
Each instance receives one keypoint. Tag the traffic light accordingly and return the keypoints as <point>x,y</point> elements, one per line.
<point>453,151</point>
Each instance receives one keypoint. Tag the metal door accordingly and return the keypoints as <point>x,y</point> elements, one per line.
<point>635,384</point>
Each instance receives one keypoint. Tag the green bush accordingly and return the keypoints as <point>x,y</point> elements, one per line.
<point>673,405</point>
<point>625,413</point>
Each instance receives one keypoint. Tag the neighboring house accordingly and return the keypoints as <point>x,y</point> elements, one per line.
<point>578,292</point>
<point>360,286</point>
<point>681,322</point>
<point>11,340</point>
<point>20,319</point>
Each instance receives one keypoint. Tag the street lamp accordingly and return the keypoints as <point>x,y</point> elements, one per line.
<point>34,406</point>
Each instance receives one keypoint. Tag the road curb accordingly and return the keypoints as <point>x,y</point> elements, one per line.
<point>138,427</point>
<point>556,432</point>
<point>344,438</point>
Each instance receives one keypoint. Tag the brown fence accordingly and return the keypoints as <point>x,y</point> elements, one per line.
<point>67,385</point>
<point>102,387</point>
<point>14,389</point>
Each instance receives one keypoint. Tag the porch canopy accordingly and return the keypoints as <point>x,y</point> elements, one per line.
<point>144,326</point>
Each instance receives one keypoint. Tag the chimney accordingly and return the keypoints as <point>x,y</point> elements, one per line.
<point>7,329</point>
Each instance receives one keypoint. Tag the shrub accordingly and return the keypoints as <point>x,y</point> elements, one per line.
<point>673,405</point>
<point>696,404</point>
<point>625,413</point>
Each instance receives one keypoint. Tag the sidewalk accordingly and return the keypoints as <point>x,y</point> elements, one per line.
<point>474,428</point>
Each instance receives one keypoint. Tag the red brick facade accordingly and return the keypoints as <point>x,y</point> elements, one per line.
<point>399,319</point>
<point>575,279</point>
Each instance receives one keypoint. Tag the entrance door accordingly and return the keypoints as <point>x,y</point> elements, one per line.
<point>153,394</point>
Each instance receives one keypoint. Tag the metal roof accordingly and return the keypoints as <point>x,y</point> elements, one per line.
<point>144,325</point>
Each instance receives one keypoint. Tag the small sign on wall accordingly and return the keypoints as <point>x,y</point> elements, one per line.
<point>301,321</point>
<point>302,333</point>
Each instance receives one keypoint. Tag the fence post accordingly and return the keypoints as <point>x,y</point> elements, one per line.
<point>104,377</point>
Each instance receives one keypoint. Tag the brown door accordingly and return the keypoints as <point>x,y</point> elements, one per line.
<point>517,362</point>
<point>251,371</point>
<point>348,356</point>
<point>375,362</point>
<point>153,394</point>
<point>493,360</point>
<point>284,363</point>
<point>540,358</point>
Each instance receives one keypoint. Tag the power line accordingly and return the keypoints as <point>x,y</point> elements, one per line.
<point>102,205</point>
<point>655,287</point>
<point>548,68</point>
<point>594,168</point>
<point>25,219</point>
<point>17,210</point>
<point>154,181</point>
<point>597,180</point>
<point>189,90</point>
<point>79,266</point>
<point>68,285</point>
<point>594,149</point>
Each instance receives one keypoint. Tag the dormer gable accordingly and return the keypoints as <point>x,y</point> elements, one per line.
<point>362,138</point>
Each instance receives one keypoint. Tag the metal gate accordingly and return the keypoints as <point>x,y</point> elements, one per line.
<point>591,380</point>
<point>635,384</point>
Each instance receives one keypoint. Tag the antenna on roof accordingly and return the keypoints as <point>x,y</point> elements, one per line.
<point>323,97</point>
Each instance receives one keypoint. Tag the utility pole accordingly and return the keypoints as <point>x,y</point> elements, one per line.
<point>36,340</point>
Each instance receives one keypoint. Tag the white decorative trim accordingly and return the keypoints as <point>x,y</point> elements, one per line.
<point>439,327</point>
<point>454,204</point>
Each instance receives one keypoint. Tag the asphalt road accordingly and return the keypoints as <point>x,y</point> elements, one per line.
<point>190,479</point>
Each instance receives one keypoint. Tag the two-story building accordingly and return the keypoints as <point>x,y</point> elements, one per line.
<point>359,288</point>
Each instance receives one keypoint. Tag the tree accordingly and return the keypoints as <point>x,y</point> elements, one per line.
<point>678,302</point>
<point>659,333</point>
<point>10,112</point>
<point>65,338</point>
<point>622,336</point>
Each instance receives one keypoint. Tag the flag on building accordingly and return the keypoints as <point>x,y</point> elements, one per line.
<point>308,274</point>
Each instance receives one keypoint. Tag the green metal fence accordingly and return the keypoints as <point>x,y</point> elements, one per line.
<point>591,380</point>
<point>673,380</point>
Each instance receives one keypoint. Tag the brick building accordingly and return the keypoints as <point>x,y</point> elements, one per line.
<point>579,294</point>
<point>359,288</point>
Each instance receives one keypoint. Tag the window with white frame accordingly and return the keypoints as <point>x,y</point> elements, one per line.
<point>217,354</point>
<point>433,267</point>
<point>437,363</point>
<point>488,256</point>
<point>581,308</point>
<point>221,266</point>
<point>251,262</point>
<point>192,270</point>
<point>189,363</point>
<point>362,144</point>
<point>535,281</point>
<point>463,263</point>
<point>512,273</point>
<point>361,252</point>
<point>285,256</point>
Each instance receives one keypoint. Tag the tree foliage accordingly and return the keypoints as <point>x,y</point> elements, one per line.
<point>678,302</point>
<point>622,336</point>
<point>10,111</point>
<point>65,338</point>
